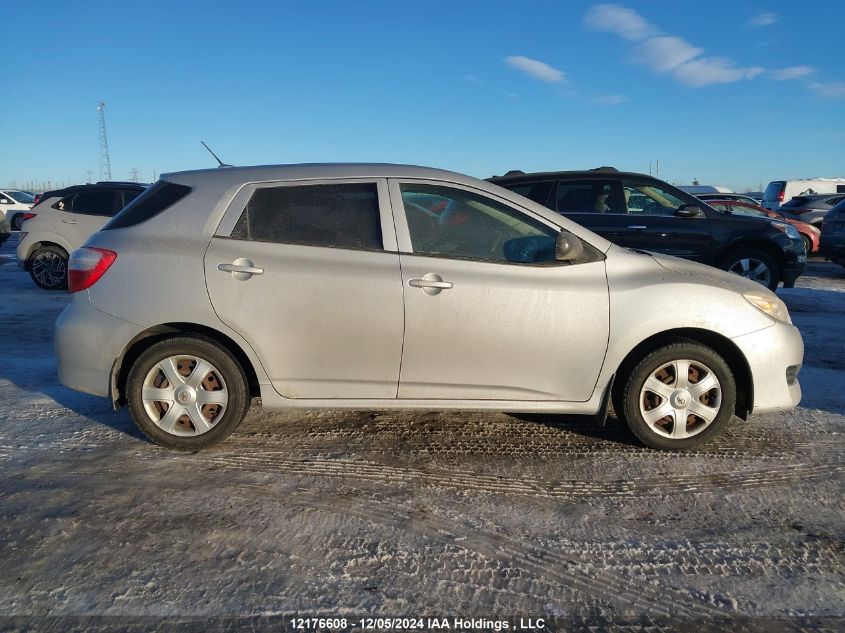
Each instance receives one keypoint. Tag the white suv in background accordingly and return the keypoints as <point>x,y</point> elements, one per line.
<point>14,203</point>
<point>62,221</point>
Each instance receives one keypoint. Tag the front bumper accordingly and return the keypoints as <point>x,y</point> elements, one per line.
<point>87,344</point>
<point>791,274</point>
<point>773,354</point>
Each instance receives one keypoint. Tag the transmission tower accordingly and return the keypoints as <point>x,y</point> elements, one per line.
<point>105,163</point>
<point>135,175</point>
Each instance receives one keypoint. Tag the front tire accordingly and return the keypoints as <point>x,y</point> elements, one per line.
<point>187,393</point>
<point>754,265</point>
<point>48,268</point>
<point>679,396</point>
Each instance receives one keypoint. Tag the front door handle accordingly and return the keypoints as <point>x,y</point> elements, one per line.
<point>431,284</point>
<point>637,227</point>
<point>241,269</point>
<point>71,221</point>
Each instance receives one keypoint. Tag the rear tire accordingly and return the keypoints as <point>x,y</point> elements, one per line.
<point>48,268</point>
<point>698,401</point>
<point>16,221</point>
<point>187,393</point>
<point>752,264</point>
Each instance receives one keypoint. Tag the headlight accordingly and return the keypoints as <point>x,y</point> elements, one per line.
<point>790,230</point>
<point>769,304</point>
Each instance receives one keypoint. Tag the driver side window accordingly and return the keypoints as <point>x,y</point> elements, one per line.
<point>643,198</point>
<point>448,222</point>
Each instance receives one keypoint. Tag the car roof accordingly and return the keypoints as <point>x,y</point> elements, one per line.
<point>305,171</point>
<point>94,186</point>
<point>599,172</point>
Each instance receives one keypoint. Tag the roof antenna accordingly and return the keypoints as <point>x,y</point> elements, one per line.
<point>222,164</point>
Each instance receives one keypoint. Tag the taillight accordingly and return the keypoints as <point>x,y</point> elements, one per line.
<point>86,266</point>
<point>28,216</point>
<point>780,195</point>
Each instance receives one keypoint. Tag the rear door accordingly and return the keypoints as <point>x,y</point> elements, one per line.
<point>489,313</point>
<point>319,292</point>
<point>81,215</point>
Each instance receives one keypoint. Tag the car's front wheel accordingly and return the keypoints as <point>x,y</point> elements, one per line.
<point>48,268</point>
<point>187,393</point>
<point>679,396</point>
<point>754,265</point>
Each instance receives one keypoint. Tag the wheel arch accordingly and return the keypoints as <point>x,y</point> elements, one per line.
<point>720,344</point>
<point>143,340</point>
<point>39,244</point>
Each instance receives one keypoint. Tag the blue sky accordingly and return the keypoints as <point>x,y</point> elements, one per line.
<point>735,93</point>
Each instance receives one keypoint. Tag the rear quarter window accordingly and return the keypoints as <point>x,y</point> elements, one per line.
<point>334,216</point>
<point>149,204</point>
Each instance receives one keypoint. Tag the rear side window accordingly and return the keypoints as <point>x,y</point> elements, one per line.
<point>336,216</point>
<point>100,202</point>
<point>153,201</point>
<point>584,197</point>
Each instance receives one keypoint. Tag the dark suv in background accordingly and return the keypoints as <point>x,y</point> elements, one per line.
<point>645,213</point>
<point>833,234</point>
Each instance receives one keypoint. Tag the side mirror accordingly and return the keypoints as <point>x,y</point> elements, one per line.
<point>689,211</point>
<point>568,247</point>
<point>5,201</point>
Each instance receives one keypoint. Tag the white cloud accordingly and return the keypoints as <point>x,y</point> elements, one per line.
<point>764,18</point>
<point>830,90</point>
<point>536,69</point>
<point>706,71</point>
<point>619,20</point>
<point>664,53</point>
<point>473,79</point>
<point>792,72</point>
<point>610,100</point>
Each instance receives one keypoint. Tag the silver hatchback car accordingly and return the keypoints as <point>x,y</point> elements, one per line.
<point>386,286</point>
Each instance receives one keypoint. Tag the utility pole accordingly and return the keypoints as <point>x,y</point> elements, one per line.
<point>105,163</point>
<point>657,167</point>
<point>89,176</point>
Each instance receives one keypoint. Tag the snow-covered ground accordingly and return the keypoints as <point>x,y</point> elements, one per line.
<point>353,513</point>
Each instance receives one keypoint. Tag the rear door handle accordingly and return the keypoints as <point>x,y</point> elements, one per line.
<point>241,269</point>
<point>432,283</point>
<point>637,227</point>
<point>71,221</point>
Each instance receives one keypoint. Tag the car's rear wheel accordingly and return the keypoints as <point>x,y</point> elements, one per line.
<point>679,396</point>
<point>48,268</point>
<point>16,221</point>
<point>754,265</point>
<point>187,393</point>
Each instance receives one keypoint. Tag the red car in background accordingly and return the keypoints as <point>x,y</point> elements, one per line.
<point>809,233</point>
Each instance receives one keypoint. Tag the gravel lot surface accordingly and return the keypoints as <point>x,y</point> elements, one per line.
<point>403,513</point>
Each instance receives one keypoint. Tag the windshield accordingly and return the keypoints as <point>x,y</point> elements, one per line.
<point>21,196</point>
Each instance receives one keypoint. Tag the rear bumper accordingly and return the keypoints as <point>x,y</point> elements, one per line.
<point>87,344</point>
<point>772,354</point>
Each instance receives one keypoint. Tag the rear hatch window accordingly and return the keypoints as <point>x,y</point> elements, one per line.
<point>149,204</point>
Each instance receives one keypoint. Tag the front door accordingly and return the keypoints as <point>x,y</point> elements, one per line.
<point>489,313</point>
<point>309,275</point>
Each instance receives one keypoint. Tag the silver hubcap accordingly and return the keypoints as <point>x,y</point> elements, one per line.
<point>184,395</point>
<point>680,399</point>
<point>753,269</point>
<point>49,269</point>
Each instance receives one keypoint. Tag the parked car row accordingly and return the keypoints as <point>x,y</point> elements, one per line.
<point>387,286</point>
